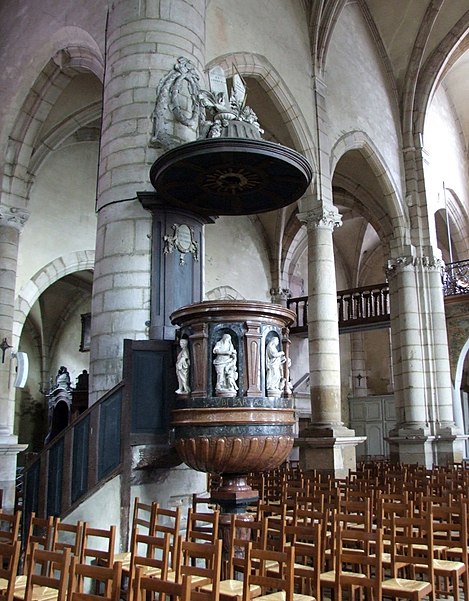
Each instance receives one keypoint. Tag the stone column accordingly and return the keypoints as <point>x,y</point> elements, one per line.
<point>326,444</point>
<point>11,222</point>
<point>145,39</point>
<point>425,432</point>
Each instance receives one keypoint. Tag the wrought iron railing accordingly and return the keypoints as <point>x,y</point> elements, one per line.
<point>455,278</point>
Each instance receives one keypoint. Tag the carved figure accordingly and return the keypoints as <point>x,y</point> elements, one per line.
<point>225,365</point>
<point>275,359</point>
<point>63,378</point>
<point>183,363</point>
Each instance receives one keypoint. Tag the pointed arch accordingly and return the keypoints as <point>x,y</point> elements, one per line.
<point>78,54</point>
<point>391,216</point>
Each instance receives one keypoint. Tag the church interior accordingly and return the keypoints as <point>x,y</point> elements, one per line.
<point>234,243</point>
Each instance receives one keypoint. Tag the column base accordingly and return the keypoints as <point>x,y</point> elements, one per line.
<point>9,449</point>
<point>330,449</point>
<point>416,445</point>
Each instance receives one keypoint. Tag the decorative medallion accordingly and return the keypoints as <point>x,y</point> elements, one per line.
<point>183,241</point>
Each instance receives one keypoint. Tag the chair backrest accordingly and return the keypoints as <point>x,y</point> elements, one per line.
<point>150,554</point>
<point>365,557</point>
<point>85,578</point>
<point>9,526</point>
<point>47,569</point>
<point>160,588</point>
<point>9,561</point>
<point>69,536</point>
<point>202,561</point>
<point>99,545</point>
<point>309,557</point>
<point>202,526</point>
<point>412,544</point>
<point>41,532</point>
<point>169,521</point>
<point>256,571</point>
<point>144,516</point>
<point>240,533</point>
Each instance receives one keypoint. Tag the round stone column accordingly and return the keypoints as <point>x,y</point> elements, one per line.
<point>145,40</point>
<point>11,222</point>
<point>326,444</point>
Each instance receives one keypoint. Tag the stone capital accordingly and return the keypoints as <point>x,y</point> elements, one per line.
<point>13,217</point>
<point>321,218</point>
<point>280,295</point>
<point>411,263</point>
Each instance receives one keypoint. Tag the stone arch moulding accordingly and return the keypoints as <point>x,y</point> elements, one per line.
<point>257,66</point>
<point>65,59</point>
<point>394,205</point>
<point>60,267</point>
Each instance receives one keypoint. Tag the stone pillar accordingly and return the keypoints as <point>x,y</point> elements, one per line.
<point>11,222</point>
<point>326,444</point>
<point>145,39</point>
<point>425,432</point>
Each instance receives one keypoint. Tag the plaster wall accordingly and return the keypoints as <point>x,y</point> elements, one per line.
<point>236,256</point>
<point>445,153</point>
<point>358,93</point>
<point>102,509</point>
<point>57,208</point>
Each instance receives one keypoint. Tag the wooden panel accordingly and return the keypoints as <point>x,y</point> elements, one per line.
<point>80,459</point>
<point>109,455</point>
<point>149,391</point>
<point>54,478</point>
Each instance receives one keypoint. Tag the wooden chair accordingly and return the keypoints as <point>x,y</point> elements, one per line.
<point>152,562</point>
<point>9,526</point>
<point>450,530</point>
<point>405,558</point>
<point>231,585</point>
<point>159,588</point>
<point>9,562</point>
<point>99,545</point>
<point>143,518</point>
<point>85,578</point>
<point>362,570</point>
<point>69,536</point>
<point>169,521</point>
<point>202,527</point>
<point>41,531</point>
<point>47,576</point>
<point>202,562</point>
<point>308,557</point>
<point>274,588</point>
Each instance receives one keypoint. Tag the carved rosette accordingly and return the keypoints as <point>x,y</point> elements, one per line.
<point>251,430</point>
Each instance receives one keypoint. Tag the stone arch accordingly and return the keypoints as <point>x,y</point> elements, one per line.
<point>65,60</point>
<point>258,66</point>
<point>29,294</point>
<point>394,211</point>
<point>415,102</point>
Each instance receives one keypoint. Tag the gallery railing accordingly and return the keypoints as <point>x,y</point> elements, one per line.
<point>368,307</point>
<point>456,278</point>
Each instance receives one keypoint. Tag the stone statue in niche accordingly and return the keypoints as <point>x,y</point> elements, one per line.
<point>225,366</point>
<point>275,380</point>
<point>183,363</point>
